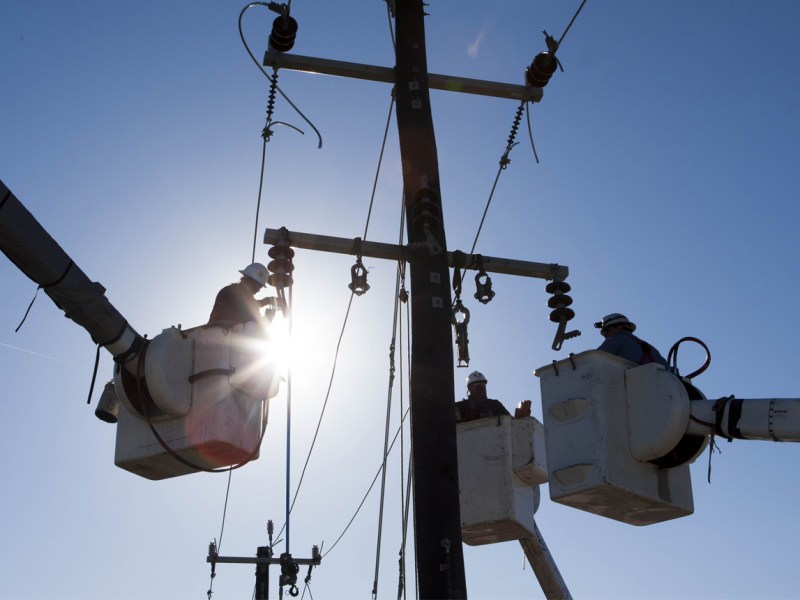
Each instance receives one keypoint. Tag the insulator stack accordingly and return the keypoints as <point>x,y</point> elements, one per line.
<point>281,266</point>
<point>425,210</point>
<point>560,301</point>
<point>358,275</point>
<point>561,312</point>
<point>541,70</point>
<point>284,30</point>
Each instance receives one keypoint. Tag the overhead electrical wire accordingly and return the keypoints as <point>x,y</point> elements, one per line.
<point>369,489</point>
<point>392,346</point>
<point>260,68</point>
<point>347,312</point>
<point>324,406</point>
<point>380,162</point>
<point>218,545</point>
<point>504,160</point>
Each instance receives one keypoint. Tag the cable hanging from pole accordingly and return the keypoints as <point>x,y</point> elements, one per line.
<point>357,285</point>
<point>538,75</point>
<point>260,68</point>
<point>392,346</point>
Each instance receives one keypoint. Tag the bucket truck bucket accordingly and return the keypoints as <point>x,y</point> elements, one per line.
<point>605,420</point>
<point>209,389</point>
<point>501,462</point>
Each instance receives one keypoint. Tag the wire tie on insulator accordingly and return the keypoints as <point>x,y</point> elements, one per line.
<point>462,339</point>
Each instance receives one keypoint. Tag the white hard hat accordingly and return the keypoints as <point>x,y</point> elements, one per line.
<point>256,272</point>
<point>614,319</point>
<point>476,377</point>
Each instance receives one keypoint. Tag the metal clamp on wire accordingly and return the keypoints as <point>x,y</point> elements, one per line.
<point>460,320</point>
<point>483,289</point>
<point>358,273</point>
<point>289,571</point>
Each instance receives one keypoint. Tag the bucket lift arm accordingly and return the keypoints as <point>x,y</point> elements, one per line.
<point>26,243</point>
<point>543,565</point>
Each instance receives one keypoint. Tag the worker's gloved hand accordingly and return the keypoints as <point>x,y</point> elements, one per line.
<point>523,410</point>
<point>273,303</point>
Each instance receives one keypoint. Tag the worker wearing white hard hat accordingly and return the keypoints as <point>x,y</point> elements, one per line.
<point>477,405</point>
<point>236,303</point>
<point>618,330</point>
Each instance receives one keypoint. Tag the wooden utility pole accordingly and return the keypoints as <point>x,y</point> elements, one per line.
<point>437,521</point>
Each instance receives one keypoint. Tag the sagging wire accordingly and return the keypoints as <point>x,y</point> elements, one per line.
<point>217,546</point>
<point>504,162</point>
<point>347,313</point>
<point>282,41</point>
<point>374,479</point>
<point>575,16</point>
<point>404,500</point>
<point>324,405</point>
<point>390,14</point>
<point>403,297</point>
<point>553,46</point>
<point>398,300</point>
<point>380,162</point>
<point>260,68</point>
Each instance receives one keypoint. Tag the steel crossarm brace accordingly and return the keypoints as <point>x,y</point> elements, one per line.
<point>491,264</point>
<point>448,83</point>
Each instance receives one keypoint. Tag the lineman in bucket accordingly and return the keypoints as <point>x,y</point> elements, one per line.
<point>620,341</point>
<point>235,303</point>
<point>477,405</point>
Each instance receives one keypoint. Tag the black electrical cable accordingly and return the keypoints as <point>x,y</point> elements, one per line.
<point>395,324</point>
<point>672,356</point>
<point>260,68</point>
<point>575,16</point>
<point>324,406</point>
<point>347,313</point>
<point>364,499</point>
<point>380,162</point>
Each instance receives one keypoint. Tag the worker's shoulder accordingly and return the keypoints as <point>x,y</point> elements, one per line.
<point>497,406</point>
<point>232,289</point>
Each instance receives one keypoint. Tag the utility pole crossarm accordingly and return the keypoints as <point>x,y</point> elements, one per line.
<point>448,83</point>
<point>491,264</point>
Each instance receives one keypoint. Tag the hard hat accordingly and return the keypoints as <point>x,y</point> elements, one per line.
<point>476,377</point>
<point>256,272</point>
<point>614,319</point>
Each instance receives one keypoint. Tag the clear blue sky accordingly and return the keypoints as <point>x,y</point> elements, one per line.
<point>668,184</point>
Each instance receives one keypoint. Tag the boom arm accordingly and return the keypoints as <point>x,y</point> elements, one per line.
<point>771,419</point>
<point>26,243</point>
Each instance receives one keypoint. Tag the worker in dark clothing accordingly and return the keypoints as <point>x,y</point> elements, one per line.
<point>477,405</point>
<point>620,341</point>
<point>236,303</point>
